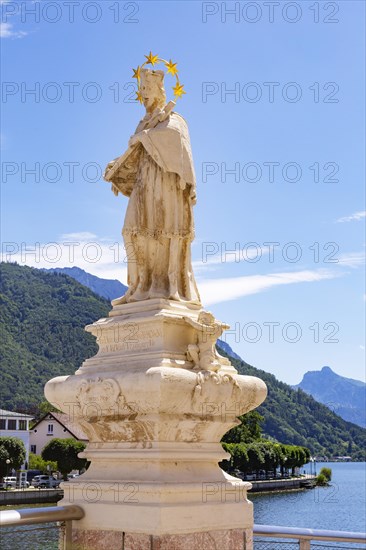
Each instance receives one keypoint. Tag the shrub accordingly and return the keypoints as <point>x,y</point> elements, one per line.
<point>327,473</point>
<point>321,480</point>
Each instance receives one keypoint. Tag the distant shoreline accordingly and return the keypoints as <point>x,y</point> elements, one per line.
<point>44,496</point>
<point>30,496</point>
<point>292,484</point>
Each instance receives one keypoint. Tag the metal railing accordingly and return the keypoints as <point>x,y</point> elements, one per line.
<point>52,514</point>
<point>295,538</point>
<point>302,538</point>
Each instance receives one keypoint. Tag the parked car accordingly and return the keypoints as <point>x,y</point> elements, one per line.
<point>8,482</point>
<point>32,473</point>
<point>45,482</point>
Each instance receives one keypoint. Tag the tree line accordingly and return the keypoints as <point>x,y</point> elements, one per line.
<point>251,453</point>
<point>265,455</point>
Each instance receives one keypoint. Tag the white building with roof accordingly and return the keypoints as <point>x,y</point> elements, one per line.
<point>13,424</point>
<point>52,425</point>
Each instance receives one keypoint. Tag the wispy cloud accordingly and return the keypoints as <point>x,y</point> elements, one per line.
<point>83,236</point>
<point>352,259</point>
<point>106,258</point>
<point>357,216</point>
<point>7,31</point>
<point>101,257</point>
<point>210,260</point>
<point>222,290</point>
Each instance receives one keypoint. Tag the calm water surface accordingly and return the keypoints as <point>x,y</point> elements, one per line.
<point>341,506</point>
<point>29,537</point>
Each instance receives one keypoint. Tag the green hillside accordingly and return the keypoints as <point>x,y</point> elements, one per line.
<point>294,417</point>
<point>42,320</point>
<point>42,323</point>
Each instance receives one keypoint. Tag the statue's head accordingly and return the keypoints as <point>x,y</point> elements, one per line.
<point>152,89</point>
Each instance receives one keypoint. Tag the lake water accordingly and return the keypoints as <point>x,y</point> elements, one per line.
<point>29,537</point>
<point>341,506</point>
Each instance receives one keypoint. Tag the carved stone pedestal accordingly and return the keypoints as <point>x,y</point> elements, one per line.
<point>154,418</point>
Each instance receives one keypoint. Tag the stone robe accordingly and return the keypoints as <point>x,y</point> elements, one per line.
<point>159,178</point>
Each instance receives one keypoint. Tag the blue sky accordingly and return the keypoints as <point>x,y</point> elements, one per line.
<point>276,115</point>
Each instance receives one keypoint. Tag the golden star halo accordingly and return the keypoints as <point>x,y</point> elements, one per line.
<point>151,59</point>
<point>138,97</point>
<point>137,73</point>
<point>178,90</point>
<point>172,69</point>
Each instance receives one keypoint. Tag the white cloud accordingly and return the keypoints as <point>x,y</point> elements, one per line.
<point>352,259</point>
<point>215,254</point>
<point>83,236</point>
<point>357,216</point>
<point>7,31</point>
<point>101,257</point>
<point>106,258</point>
<point>222,290</point>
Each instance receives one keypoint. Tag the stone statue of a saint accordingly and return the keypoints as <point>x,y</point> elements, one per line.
<point>157,175</point>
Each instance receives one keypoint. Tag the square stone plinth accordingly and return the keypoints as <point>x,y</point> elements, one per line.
<point>232,539</point>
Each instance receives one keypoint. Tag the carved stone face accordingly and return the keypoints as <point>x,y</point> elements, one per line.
<point>152,89</point>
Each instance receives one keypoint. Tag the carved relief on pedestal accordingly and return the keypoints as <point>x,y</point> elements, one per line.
<point>203,353</point>
<point>105,415</point>
<point>216,377</point>
<point>104,393</point>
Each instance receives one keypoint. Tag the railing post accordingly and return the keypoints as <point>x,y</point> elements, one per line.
<point>304,544</point>
<point>68,536</point>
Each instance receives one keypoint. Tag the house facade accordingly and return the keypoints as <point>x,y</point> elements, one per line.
<point>14,424</point>
<point>53,425</point>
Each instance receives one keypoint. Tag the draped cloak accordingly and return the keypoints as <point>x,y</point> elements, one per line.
<point>159,178</point>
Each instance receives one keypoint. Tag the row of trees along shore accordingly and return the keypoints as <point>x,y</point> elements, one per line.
<point>250,452</point>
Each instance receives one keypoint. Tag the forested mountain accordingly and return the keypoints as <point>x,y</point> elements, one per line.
<point>294,417</point>
<point>42,320</point>
<point>107,288</point>
<point>345,396</point>
<point>42,323</point>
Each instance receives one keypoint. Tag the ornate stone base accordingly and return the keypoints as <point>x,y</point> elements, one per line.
<point>155,402</point>
<point>232,539</point>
